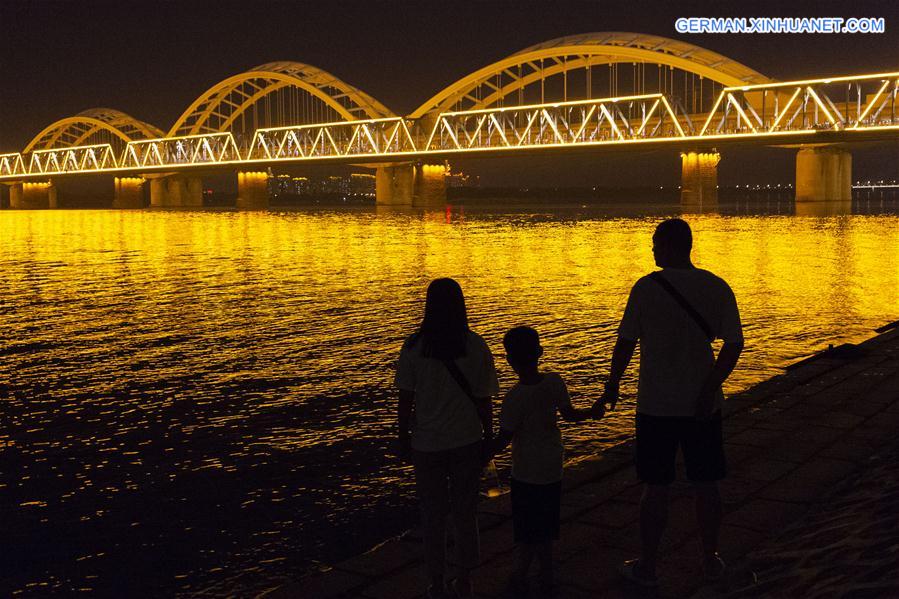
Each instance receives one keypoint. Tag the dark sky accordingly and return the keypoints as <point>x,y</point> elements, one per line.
<point>151,59</point>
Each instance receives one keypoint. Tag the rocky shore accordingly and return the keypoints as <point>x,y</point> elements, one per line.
<point>810,502</point>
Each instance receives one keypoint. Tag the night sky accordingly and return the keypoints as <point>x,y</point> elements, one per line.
<point>151,59</point>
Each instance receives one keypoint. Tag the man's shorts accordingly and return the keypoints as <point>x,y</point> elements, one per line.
<point>658,439</point>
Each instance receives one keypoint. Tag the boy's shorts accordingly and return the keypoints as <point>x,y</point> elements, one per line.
<point>658,439</point>
<point>535,511</point>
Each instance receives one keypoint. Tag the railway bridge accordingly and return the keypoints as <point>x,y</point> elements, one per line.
<point>610,91</point>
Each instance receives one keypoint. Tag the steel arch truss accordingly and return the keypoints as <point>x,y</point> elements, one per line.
<point>85,126</point>
<point>368,138</point>
<point>855,103</point>
<point>12,164</point>
<point>93,158</point>
<point>490,85</point>
<point>209,149</point>
<point>607,120</point>
<point>223,106</point>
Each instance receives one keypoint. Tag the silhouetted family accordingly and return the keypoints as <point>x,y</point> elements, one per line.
<point>446,377</point>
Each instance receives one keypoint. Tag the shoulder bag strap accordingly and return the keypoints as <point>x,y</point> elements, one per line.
<point>460,379</point>
<point>696,316</point>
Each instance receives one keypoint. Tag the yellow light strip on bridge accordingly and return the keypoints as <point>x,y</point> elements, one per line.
<point>712,112</point>
<point>871,104</point>
<point>785,108</point>
<point>499,128</point>
<point>587,118</point>
<point>391,119</point>
<point>673,116</point>
<point>647,117</point>
<point>552,105</point>
<point>823,107</point>
<point>824,80</point>
<point>733,102</point>
<point>412,154</point>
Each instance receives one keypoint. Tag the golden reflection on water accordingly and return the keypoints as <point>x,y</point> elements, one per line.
<point>233,369</point>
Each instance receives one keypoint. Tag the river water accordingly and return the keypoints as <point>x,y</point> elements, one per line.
<point>199,403</point>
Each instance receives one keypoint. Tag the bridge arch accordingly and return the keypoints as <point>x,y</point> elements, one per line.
<point>492,84</point>
<point>95,125</point>
<point>317,95</point>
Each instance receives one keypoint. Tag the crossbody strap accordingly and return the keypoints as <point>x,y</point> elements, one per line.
<point>696,316</point>
<point>460,379</point>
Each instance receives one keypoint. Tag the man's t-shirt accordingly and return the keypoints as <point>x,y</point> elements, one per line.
<point>445,417</point>
<point>529,412</point>
<point>675,357</point>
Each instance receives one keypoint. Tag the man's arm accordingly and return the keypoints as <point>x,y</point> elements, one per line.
<point>724,365</point>
<point>621,357</point>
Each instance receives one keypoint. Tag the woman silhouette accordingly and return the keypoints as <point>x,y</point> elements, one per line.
<point>446,376</point>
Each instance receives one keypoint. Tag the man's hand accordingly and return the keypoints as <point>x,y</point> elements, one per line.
<point>610,394</point>
<point>705,403</point>
<point>598,410</point>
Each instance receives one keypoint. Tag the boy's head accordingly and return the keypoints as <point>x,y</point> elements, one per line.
<point>522,348</point>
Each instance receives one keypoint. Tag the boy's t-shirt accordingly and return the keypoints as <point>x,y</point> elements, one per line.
<point>529,412</point>
<point>445,417</point>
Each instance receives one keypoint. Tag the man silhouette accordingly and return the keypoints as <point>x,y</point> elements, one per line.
<point>675,313</point>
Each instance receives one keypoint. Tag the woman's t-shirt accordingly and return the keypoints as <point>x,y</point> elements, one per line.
<point>529,412</point>
<point>445,417</point>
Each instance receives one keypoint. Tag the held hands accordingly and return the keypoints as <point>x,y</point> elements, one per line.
<point>609,397</point>
<point>598,410</point>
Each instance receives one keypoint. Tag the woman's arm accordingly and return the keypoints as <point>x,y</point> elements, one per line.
<point>404,418</point>
<point>501,442</point>
<point>485,413</point>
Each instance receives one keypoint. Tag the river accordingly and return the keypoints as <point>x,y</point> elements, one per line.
<point>199,403</point>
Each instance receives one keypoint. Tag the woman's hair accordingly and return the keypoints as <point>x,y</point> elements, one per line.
<point>444,329</point>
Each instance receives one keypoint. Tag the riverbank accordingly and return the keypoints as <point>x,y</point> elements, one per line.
<point>790,440</point>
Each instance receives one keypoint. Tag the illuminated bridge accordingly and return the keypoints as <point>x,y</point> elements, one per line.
<point>600,91</point>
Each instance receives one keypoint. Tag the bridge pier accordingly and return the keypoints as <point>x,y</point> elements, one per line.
<point>30,196</point>
<point>823,174</point>
<point>176,191</point>
<point>699,178</point>
<point>410,185</point>
<point>252,190</point>
<point>129,192</point>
